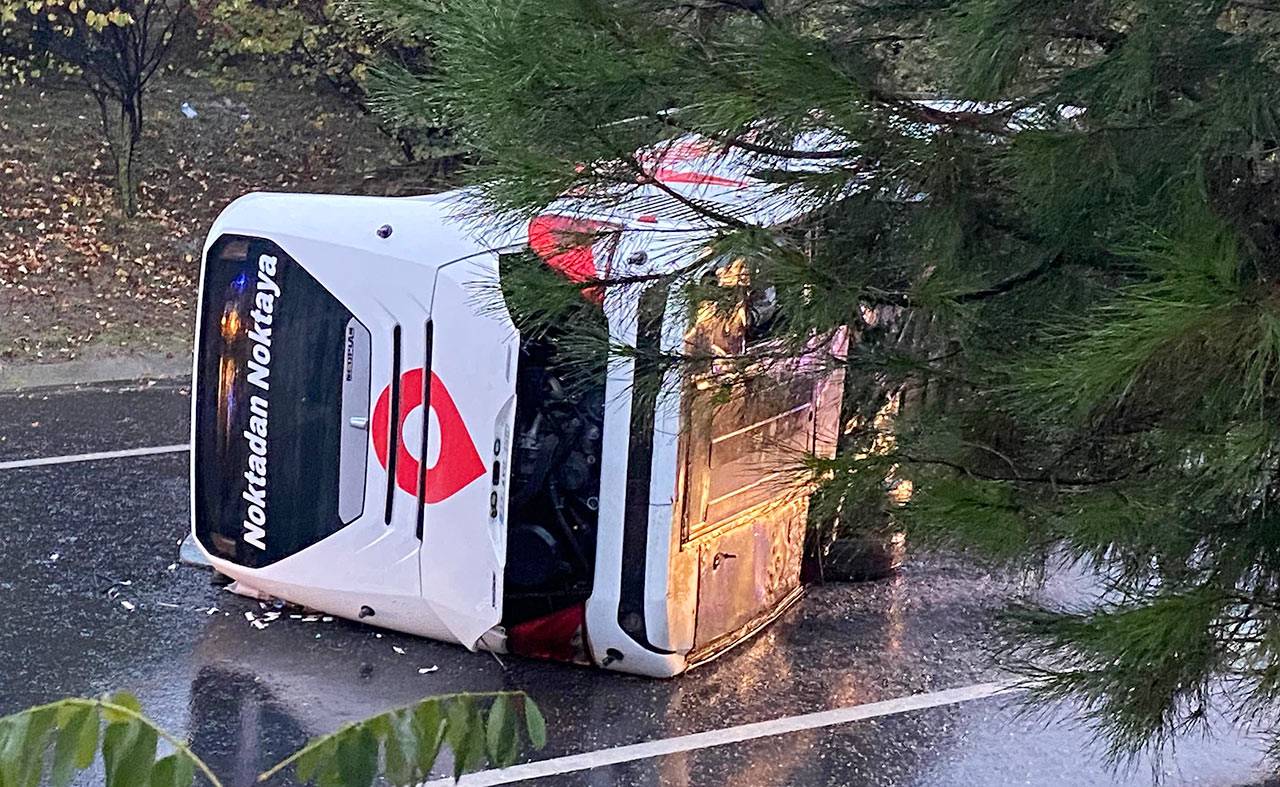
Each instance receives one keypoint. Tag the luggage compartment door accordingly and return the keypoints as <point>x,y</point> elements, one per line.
<point>469,384</point>
<point>747,430</point>
<point>744,511</point>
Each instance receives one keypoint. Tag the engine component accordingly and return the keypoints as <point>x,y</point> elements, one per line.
<point>555,487</point>
<point>541,561</point>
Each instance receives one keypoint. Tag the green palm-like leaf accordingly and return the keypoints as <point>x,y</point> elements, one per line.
<point>77,742</point>
<point>174,770</point>
<point>129,752</point>
<point>535,724</point>
<point>501,737</point>
<point>73,729</point>
<point>403,744</point>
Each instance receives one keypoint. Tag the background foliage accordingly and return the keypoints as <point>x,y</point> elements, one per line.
<point>1062,278</point>
<point>329,41</point>
<point>114,47</point>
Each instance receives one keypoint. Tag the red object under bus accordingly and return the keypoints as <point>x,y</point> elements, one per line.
<point>558,636</point>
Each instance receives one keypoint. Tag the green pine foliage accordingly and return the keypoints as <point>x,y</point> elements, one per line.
<point>52,743</point>
<point>1070,290</point>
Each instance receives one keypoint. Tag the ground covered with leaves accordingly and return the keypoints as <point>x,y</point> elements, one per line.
<point>76,278</point>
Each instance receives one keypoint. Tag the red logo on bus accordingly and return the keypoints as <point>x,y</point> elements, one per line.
<point>457,463</point>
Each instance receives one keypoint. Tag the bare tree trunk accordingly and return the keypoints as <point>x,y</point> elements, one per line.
<point>123,137</point>
<point>116,62</point>
<point>126,177</point>
<point>121,118</point>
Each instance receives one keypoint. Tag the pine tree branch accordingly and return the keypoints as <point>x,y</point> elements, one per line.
<point>879,297</point>
<point>1109,40</point>
<point>700,208</point>
<point>1008,285</point>
<point>736,141</point>
<point>1018,478</point>
<point>884,38</point>
<point>994,123</point>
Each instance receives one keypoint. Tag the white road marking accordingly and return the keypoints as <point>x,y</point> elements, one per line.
<point>743,732</point>
<point>68,459</point>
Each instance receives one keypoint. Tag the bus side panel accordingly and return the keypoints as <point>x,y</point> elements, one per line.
<point>747,574</point>
<point>742,506</point>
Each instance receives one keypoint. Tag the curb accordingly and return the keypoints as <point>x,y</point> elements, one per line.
<point>84,371</point>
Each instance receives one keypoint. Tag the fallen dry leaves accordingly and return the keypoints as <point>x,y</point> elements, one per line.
<point>75,276</point>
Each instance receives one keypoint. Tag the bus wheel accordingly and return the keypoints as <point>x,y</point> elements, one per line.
<point>863,559</point>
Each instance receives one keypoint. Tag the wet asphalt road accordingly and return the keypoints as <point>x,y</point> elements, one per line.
<point>77,540</point>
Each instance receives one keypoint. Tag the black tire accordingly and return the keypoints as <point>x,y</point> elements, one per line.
<point>863,559</point>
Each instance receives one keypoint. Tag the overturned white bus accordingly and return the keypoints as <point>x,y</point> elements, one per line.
<point>372,438</point>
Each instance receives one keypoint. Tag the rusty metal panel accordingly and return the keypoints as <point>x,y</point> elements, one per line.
<point>746,572</point>
<point>740,506</point>
<point>742,453</point>
<point>758,441</point>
